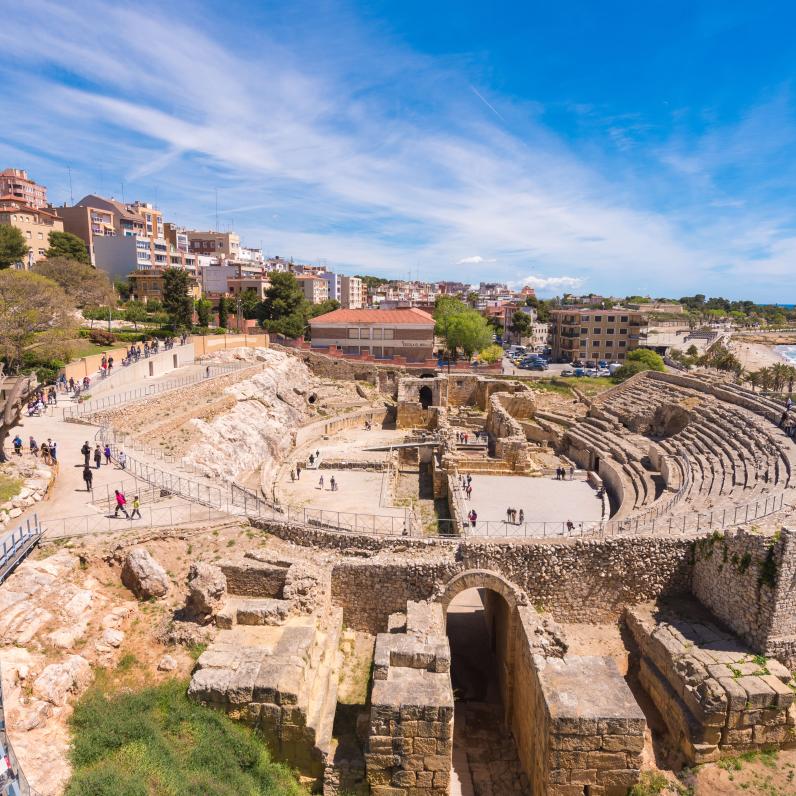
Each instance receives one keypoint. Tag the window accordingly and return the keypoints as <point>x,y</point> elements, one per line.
<point>623,319</point>
<point>598,318</point>
<point>622,343</point>
<point>584,330</point>
<point>41,236</point>
<point>609,343</point>
<point>583,344</point>
<point>609,331</point>
<point>353,334</point>
<point>29,234</point>
<point>389,334</point>
<point>623,331</point>
<point>611,317</point>
<point>621,355</point>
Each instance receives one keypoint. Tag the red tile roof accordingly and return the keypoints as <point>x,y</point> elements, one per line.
<point>407,316</point>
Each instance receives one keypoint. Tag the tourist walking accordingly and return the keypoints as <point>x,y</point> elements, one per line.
<point>473,517</point>
<point>86,451</point>
<point>45,453</point>
<point>121,504</point>
<point>122,459</point>
<point>298,471</point>
<point>88,477</point>
<point>292,475</point>
<point>571,472</point>
<point>136,508</point>
<point>333,484</point>
<point>320,482</point>
<point>107,453</point>
<point>53,450</point>
<point>33,446</point>
<point>521,519</point>
<point>17,443</point>
<point>97,456</point>
<point>570,526</point>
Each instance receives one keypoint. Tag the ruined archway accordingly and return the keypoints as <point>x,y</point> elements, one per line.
<point>425,396</point>
<point>480,609</point>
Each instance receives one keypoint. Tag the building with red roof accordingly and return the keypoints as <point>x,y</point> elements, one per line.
<point>383,334</point>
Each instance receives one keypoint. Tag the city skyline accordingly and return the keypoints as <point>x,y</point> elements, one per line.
<point>639,153</point>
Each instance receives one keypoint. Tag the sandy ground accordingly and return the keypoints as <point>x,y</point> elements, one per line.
<point>754,356</point>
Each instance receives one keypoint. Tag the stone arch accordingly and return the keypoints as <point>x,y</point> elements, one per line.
<point>481,579</point>
<point>426,396</point>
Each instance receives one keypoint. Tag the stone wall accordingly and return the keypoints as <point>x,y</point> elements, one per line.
<point>255,578</point>
<point>510,443</point>
<point>749,582</point>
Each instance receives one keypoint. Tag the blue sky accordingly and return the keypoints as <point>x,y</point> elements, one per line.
<point>618,147</point>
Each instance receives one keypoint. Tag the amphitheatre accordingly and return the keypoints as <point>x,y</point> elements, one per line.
<point>306,528</point>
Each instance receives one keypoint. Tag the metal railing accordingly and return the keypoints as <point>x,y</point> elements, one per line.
<point>93,405</point>
<point>17,544</point>
<point>13,781</point>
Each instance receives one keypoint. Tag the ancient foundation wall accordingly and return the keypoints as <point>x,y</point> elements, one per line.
<point>749,582</point>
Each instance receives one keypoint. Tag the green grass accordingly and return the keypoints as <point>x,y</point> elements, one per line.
<point>156,742</point>
<point>85,348</point>
<point>9,487</point>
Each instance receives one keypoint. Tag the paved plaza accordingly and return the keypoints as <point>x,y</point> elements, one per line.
<point>541,499</point>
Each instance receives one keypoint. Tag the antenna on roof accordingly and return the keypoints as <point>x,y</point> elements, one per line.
<point>71,197</point>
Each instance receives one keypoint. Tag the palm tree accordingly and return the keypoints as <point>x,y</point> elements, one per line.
<point>766,379</point>
<point>753,378</point>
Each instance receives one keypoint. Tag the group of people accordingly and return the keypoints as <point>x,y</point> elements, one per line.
<point>295,474</point>
<point>788,420</point>
<point>48,450</point>
<point>463,437</point>
<point>515,517</point>
<point>466,483</point>
<point>333,484</point>
<point>561,473</point>
<point>121,505</point>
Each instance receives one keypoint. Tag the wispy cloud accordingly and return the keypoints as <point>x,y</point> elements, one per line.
<point>551,284</point>
<point>373,157</point>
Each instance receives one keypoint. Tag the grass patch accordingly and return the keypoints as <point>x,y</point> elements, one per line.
<point>9,487</point>
<point>156,742</point>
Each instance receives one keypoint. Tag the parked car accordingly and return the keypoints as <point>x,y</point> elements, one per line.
<point>538,366</point>
<point>579,372</point>
<point>590,363</point>
<point>602,364</point>
<point>577,363</point>
<point>567,372</point>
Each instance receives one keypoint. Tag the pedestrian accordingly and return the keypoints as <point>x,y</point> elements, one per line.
<point>789,403</point>
<point>45,453</point>
<point>292,474</point>
<point>121,503</point>
<point>469,491</point>
<point>97,456</point>
<point>88,477</point>
<point>312,459</point>
<point>571,472</point>
<point>320,482</point>
<point>122,459</point>
<point>53,450</point>
<point>34,447</point>
<point>17,443</point>
<point>522,517</point>
<point>298,471</point>
<point>207,372</point>
<point>469,479</point>
<point>86,451</point>
<point>473,516</point>
<point>110,364</point>
<point>333,484</point>
<point>107,453</point>
<point>136,508</point>
<point>570,526</point>
<point>508,515</point>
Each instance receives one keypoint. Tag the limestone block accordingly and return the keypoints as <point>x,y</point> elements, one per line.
<point>622,743</point>
<point>167,664</point>
<point>143,575</point>
<point>207,588</point>
<point>736,695</point>
<point>783,694</point>
<point>210,685</point>
<point>113,637</point>
<point>758,693</point>
<point>605,760</point>
<point>579,743</point>
<point>624,778</point>
<point>58,680</point>
<point>241,683</point>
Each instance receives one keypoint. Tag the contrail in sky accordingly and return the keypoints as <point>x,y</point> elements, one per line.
<point>491,108</point>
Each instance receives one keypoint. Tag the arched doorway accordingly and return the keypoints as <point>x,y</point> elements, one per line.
<point>426,396</point>
<point>479,614</point>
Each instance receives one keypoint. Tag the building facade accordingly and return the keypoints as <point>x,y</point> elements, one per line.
<point>316,289</point>
<point>354,293</point>
<point>380,333</point>
<point>34,223</point>
<point>16,184</point>
<point>225,245</point>
<point>594,334</point>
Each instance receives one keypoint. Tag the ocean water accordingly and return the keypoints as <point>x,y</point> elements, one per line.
<point>788,351</point>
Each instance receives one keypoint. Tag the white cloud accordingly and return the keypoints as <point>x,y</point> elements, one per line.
<point>552,284</point>
<point>475,260</point>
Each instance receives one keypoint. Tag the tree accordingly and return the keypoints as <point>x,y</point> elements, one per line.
<point>65,244</point>
<point>248,303</point>
<point>284,310</point>
<point>330,305</point>
<point>177,301</point>
<point>460,326</point>
<point>16,391</point>
<point>35,315</point>
<point>490,354</point>
<point>123,289</point>
<point>13,248</point>
<point>135,312</point>
<point>223,312</point>
<point>203,312</point>
<point>86,285</point>
<point>520,325</point>
<point>638,360</point>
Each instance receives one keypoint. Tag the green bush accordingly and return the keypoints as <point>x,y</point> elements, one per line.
<point>156,741</point>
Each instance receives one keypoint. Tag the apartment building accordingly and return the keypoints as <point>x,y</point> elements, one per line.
<point>147,284</point>
<point>35,224</point>
<point>219,244</point>
<point>316,288</point>
<point>16,184</point>
<point>334,283</point>
<point>354,293</point>
<point>380,333</point>
<point>594,334</point>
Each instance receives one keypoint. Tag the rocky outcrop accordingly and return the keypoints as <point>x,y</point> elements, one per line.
<point>143,575</point>
<point>207,589</point>
<point>59,680</point>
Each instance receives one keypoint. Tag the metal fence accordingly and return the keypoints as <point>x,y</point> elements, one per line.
<point>92,405</point>
<point>13,781</point>
<point>17,544</point>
